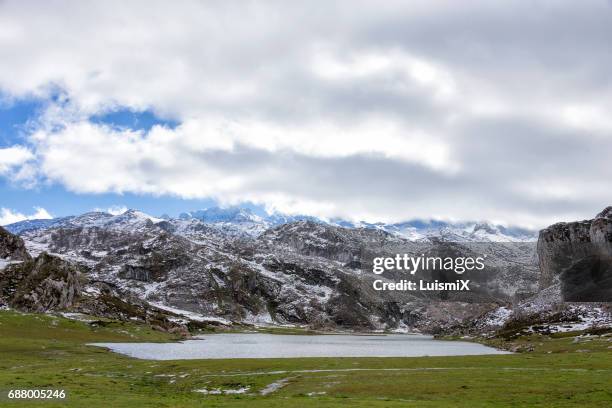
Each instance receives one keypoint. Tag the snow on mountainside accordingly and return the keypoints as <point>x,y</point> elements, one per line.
<point>31,225</point>
<point>235,265</point>
<point>90,219</point>
<point>242,221</point>
<point>233,221</point>
<point>238,221</point>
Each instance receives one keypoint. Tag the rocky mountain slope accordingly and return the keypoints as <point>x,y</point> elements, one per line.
<point>303,272</point>
<point>219,267</point>
<point>49,283</point>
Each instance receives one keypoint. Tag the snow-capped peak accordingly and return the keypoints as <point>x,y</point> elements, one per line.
<point>137,215</point>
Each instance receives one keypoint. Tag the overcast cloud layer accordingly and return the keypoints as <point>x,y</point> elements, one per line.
<point>365,110</point>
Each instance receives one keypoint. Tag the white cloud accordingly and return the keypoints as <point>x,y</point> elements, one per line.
<point>8,216</point>
<point>339,108</point>
<point>113,210</point>
<point>410,71</point>
<point>90,158</point>
<point>13,157</point>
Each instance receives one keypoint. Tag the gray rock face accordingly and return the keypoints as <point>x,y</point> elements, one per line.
<point>41,284</point>
<point>12,247</point>
<point>302,272</point>
<point>576,253</point>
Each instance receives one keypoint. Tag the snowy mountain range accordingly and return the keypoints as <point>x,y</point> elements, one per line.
<point>223,266</point>
<point>238,221</point>
<point>235,265</point>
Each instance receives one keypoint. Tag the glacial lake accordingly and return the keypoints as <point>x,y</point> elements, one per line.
<point>258,345</point>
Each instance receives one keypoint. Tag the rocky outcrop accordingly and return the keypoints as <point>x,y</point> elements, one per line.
<point>41,284</point>
<point>12,247</point>
<point>579,256</point>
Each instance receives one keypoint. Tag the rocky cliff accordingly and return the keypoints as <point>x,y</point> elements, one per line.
<point>578,256</point>
<point>41,284</point>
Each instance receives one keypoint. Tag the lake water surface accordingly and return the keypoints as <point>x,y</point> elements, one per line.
<point>258,345</point>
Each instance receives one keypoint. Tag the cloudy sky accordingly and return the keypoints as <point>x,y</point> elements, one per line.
<point>382,111</point>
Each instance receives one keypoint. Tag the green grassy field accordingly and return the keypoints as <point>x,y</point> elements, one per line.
<point>47,352</point>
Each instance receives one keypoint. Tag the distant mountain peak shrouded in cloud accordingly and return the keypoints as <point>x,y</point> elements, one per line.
<point>331,109</point>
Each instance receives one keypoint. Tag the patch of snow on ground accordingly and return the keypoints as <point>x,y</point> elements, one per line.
<point>587,318</point>
<point>35,248</point>
<point>403,328</point>
<point>149,288</point>
<point>275,386</point>
<point>191,315</point>
<point>77,316</point>
<point>543,301</point>
<point>218,391</point>
<point>498,317</point>
<point>5,262</point>
<point>92,290</point>
<point>262,319</point>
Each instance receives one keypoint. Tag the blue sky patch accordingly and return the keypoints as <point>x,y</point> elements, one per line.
<point>60,202</point>
<point>129,119</point>
<point>14,116</point>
